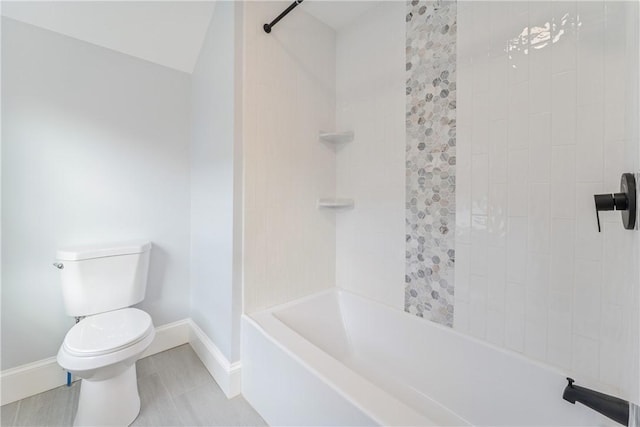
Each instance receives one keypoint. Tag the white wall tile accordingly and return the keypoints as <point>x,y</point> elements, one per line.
<point>518,197</point>
<point>514,317</point>
<point>518,121</point>
<point>589,143</point>
<point>615,65</point>
<point>497,151</point>
<point>535,345</point>
<point>590,55</point>
<point>619,284</point>
<point>563,166</point>
<point>591,12</point>
<point>563,108</point>
<point>538,270</point>
<point>568,121</point>
<point>479,184</point>
<point>562,255</point>
<point>478,306</point>
<point>479,245</point>
<point>539,147</point>
<point>481,73</point>
<point>586,357</point>
<point>497,215</point>
<point>587,302</point>
<point>463,184</point>
<point>498,43</point>
<point>539,217</point>
<point>540,74</point>
<point>519,54</point>
<point>480,134</point>
<point>464,97</point>
<point>498,87</point>
<point>497,277</point>
<point>517,250</point>
<point>466,40</point>
<point>613,344</point>
<point>463,272</point>
<point>559,339</point>
<point>614,165</point>
<point>563,34</point>
<point>495,327</point>
<point>461,317</point>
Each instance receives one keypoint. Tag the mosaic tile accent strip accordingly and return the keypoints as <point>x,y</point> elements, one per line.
<point>430,159</point>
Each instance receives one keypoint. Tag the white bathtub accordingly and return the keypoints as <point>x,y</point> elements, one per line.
<point>335,358</point>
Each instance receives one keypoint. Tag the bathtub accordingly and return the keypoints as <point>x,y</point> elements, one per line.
<point>335,358</point>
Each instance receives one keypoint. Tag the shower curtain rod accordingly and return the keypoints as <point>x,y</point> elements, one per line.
<point>267,27</point>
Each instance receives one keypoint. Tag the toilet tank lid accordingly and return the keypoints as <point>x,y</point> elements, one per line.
<point>77,253</point>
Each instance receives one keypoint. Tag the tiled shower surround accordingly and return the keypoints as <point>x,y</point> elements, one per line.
<point>543,123</point>
<point>517,113</point>
<point>430,159</point>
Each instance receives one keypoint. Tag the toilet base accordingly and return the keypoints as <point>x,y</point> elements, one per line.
<point>110,402</point>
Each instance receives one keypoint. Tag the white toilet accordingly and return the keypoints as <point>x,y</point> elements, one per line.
<point>101,282</point>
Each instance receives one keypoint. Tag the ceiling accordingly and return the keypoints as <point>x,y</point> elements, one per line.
<point>168,33</point>
<point>337,14</point>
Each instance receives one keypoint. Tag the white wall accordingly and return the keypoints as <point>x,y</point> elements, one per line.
<point>541,129</point>
<point>370,80</point>
<point>95,149</point>
<point>212,185</point>
<point>289,96</point>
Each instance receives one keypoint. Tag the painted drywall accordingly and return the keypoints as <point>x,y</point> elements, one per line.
<point>95,149</point>
<point>370,99</point>
<point>544,123</point>
<point>288,98</point>
<point>212,184</point>
<point>168,33</point>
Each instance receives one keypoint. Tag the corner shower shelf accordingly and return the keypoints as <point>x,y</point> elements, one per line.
<point>335,203</point>
<point>337,137</point>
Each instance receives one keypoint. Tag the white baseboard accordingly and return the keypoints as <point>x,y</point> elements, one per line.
<point>226,374</point>
<point>169,336</point>
<point>37,377</point>
<point>32,378</point>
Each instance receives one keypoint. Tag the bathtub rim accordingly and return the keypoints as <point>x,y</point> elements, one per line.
<point>331,372</point>
<point>375,402</point>
<point>583,415</point>
<point>431,324</point>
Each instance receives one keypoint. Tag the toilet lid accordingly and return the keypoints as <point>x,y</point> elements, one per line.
<point>108,332</point>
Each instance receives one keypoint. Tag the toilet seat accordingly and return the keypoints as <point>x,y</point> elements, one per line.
<point>108,332</point>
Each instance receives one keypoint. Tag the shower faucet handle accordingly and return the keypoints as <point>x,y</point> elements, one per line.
<point>625,202</point>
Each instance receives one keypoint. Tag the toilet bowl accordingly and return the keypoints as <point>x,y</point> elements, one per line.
<point>100,283</point>
<point>102,350</point>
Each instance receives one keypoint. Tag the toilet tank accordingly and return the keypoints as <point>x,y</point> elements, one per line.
<point>105,277</point>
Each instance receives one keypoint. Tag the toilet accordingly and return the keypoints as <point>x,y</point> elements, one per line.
<point>100,283</point>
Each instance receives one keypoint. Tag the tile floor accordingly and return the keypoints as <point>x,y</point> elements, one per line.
<point>175,390</point>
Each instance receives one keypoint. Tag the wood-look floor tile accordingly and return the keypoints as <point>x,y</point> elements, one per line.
<point>181,370</point>
<point>175,390</point>
<point>55,407</point>
<point>208,406</point>
<point>8,414</point>
<point>156,406</point>
<point>146,366</point>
